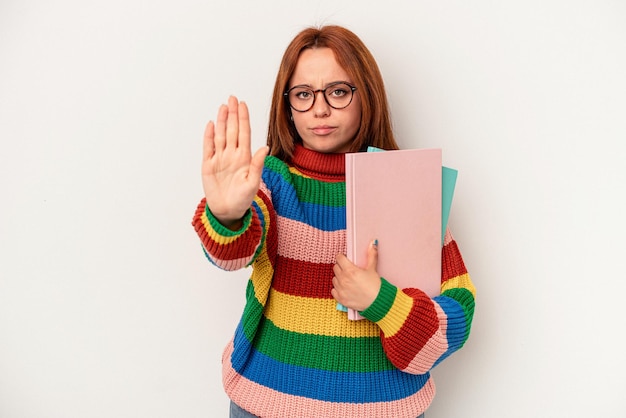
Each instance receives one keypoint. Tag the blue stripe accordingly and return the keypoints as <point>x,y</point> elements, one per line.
<point>208,257</point>
<point>287,205</point>
<point>457,325</point>
<point>326,218</point>
<point>383,386</point>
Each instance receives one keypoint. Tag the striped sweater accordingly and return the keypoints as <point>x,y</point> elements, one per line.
<point>293,353</point>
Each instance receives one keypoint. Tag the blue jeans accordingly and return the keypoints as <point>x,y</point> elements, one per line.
<point>238,412</point>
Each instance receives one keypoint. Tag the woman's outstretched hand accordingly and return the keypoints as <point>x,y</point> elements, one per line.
<point>230,174</point>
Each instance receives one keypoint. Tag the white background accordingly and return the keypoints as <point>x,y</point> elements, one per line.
<point>107,305</point>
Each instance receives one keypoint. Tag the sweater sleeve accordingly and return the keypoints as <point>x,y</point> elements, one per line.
<point>418,332</point>
<point>233,250</point>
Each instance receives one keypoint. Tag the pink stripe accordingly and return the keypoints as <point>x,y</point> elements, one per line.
<point>263,187</point>
<point>434,347</point>
<point>231,265</point>
<point>319,246</point>
<point>268,403</point>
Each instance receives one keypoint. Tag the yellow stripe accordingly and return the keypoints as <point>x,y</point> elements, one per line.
<point>462,281</point>
<point>400,310</point>
<point>262,277</point>
<point>297,172</point>
<point>220,239</point>
<point>315,316</point>
<point>263,270</point>
<point>224,240</point>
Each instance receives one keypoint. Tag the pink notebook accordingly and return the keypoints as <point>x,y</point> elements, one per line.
<point>395,197</point>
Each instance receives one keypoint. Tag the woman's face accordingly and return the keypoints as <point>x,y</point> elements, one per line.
<point>323,128</point>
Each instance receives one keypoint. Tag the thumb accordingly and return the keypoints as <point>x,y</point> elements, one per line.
<point>372,255</point>
<point>256,164</point>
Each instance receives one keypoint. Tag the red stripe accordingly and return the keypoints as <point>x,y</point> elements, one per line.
<point>235,249</point>
<point>419,326</point>
<point>452,264</point>
<point>302,278</point>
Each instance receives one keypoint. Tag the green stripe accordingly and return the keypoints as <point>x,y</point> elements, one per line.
<point>383,302</point>
<point>321,193</point>
<point>309,350</point>
<point>221,229</point>
<point>322,352</point>
<point>310,190</point>
<point>252,312</point>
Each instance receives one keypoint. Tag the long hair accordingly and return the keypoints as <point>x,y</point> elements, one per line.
<point>354,57</point>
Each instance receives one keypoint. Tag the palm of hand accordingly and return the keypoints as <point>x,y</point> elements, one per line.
<point>230,175</point>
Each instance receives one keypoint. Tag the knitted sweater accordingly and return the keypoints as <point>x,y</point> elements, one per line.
<point>293,353</point>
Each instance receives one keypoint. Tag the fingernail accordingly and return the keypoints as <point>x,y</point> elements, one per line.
<point>375,243</point>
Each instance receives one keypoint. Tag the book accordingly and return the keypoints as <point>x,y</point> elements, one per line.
<point>396,197</point>
<point>448,182</point>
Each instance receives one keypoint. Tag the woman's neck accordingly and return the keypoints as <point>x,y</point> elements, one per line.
<point>322,166</point>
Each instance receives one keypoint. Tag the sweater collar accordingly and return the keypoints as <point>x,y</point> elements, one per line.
<point>322,166</point>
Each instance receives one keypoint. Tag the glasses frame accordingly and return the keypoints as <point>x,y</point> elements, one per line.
<point>323,91</point>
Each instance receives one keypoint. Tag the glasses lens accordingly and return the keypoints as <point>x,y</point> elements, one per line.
<point>301,98</point>
<point>338,95</point>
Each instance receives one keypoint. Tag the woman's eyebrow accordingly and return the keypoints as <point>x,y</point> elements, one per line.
<point>327,84</point>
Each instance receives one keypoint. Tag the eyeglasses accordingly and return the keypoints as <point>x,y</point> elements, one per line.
<point>338,95</point>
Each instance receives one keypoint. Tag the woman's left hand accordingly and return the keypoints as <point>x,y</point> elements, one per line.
<point>354,287</point>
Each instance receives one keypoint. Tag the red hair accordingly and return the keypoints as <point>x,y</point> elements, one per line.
<point>354,57</point>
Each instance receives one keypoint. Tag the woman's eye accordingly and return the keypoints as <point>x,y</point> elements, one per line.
<point>303,95</point>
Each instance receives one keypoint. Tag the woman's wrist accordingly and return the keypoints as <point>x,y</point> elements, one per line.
<point>230,224</point>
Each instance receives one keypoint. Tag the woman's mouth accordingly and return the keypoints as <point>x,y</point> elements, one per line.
<point>323,130</point>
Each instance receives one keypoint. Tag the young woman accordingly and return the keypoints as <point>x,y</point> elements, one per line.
<point>293,353</point>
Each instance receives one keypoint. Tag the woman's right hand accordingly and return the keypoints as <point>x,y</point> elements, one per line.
<point>230,174</point>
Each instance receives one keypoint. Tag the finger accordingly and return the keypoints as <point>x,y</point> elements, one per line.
<point>244,128</point>
<point>334,291</point>
<point>344,263</point>
<point>340,261</point>
<point>232,122</point>
<point>372,255</point>
<point>256,164</point>
<point>336,270</point>
<point>219,139</point>
<point>208,146</point>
